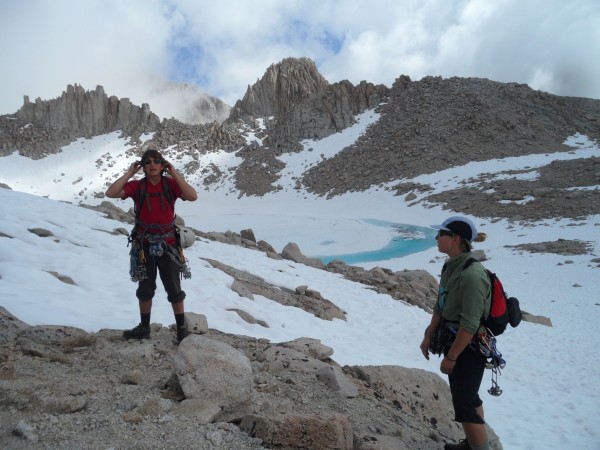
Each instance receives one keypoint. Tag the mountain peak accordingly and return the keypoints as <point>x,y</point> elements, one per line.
<point>284,84</point>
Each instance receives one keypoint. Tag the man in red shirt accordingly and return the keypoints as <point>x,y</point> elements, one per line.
<point>154,241</point>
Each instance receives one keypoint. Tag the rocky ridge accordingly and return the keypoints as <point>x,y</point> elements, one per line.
<point>40,128</point>
<point>434,124</point>
<point>424,126</point>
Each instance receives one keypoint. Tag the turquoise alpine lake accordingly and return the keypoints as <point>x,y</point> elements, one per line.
<point>409,239</point>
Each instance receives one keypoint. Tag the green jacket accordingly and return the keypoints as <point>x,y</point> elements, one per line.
<point>465,295</point>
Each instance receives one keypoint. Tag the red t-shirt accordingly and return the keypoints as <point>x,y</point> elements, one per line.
<point>156,208</point>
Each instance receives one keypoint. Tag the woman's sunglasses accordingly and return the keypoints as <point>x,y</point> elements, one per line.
<point>445,233</point>
<point>155,161</point>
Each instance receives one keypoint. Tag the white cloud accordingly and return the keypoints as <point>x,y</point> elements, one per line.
<point>132,47</point>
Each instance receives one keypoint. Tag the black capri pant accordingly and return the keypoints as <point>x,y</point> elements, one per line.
<point>168,270</point>
<point>465,381</point>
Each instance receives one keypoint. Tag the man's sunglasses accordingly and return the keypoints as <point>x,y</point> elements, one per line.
<point>445,233</point>
<point>155,161</point>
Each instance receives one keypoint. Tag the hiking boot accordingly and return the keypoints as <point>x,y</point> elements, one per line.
<point>462,445</point>
<point>139,332</point>
<point>182,333</point>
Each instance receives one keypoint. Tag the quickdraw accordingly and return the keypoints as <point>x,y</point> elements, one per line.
<point>185,268</point>
<point>486,345</point>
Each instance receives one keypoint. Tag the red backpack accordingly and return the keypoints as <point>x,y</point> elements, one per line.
<point>503,309</point>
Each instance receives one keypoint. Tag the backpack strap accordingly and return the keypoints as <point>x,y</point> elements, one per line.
<point>143,196</point>
<point>167,193</point>
<point>140,198</point>
<point>469,262</point>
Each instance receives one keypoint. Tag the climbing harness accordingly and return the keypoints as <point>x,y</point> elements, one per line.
<point>157,247</point>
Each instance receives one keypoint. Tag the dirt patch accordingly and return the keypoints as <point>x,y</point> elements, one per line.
<point>559,247</point>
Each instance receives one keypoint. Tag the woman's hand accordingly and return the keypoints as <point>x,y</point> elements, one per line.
<point>169,168</point>
<point>134,168</point>
<point>425,346</point>
<point>447,365</point>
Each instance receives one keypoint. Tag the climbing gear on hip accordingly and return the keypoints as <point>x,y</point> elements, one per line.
<point>137,263</point>
<point>485,344</point>
<point>185,268</point>
<point>443,337</point>
<point>156,245</point>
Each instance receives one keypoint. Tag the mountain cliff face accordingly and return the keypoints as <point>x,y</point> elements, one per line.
<point>88,113</point>
<point>283,85</point>
<point>42,127</point>
<point>299,103</point>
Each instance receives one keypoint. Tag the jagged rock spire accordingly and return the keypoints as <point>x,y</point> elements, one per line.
<point>283,84</point>
<point>303,103</point>
<point>86,113</point>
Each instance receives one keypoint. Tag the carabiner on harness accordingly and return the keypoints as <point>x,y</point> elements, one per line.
<point>137,260</point>
<point>486,345</point>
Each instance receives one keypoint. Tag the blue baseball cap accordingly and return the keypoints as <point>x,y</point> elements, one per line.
<point>461,226</point>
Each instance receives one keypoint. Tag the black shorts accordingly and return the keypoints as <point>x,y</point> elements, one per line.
<point>465,381</point>
<point>169,272</point>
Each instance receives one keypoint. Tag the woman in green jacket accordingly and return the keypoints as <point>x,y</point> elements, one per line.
<point>464,299</point>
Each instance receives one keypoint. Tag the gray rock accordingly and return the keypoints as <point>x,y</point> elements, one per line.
<point>215,378</point>
<point>310,347</point>
<point>248,234</point>
<point>132,377</point>
<point>136,353</point>
<point>196,323</point>
<point>311,301</point>
<point>26,431</point>
<point>247,317</point>
<point>292,252</point>
<point>335,379</point>
<point>540,320</point>
<point>279,359</point>
<point>332,432</point>
<point>41,232</point>
<point>242,289</point>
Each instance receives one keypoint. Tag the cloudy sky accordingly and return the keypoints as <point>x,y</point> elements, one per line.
<point>132,47</point>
